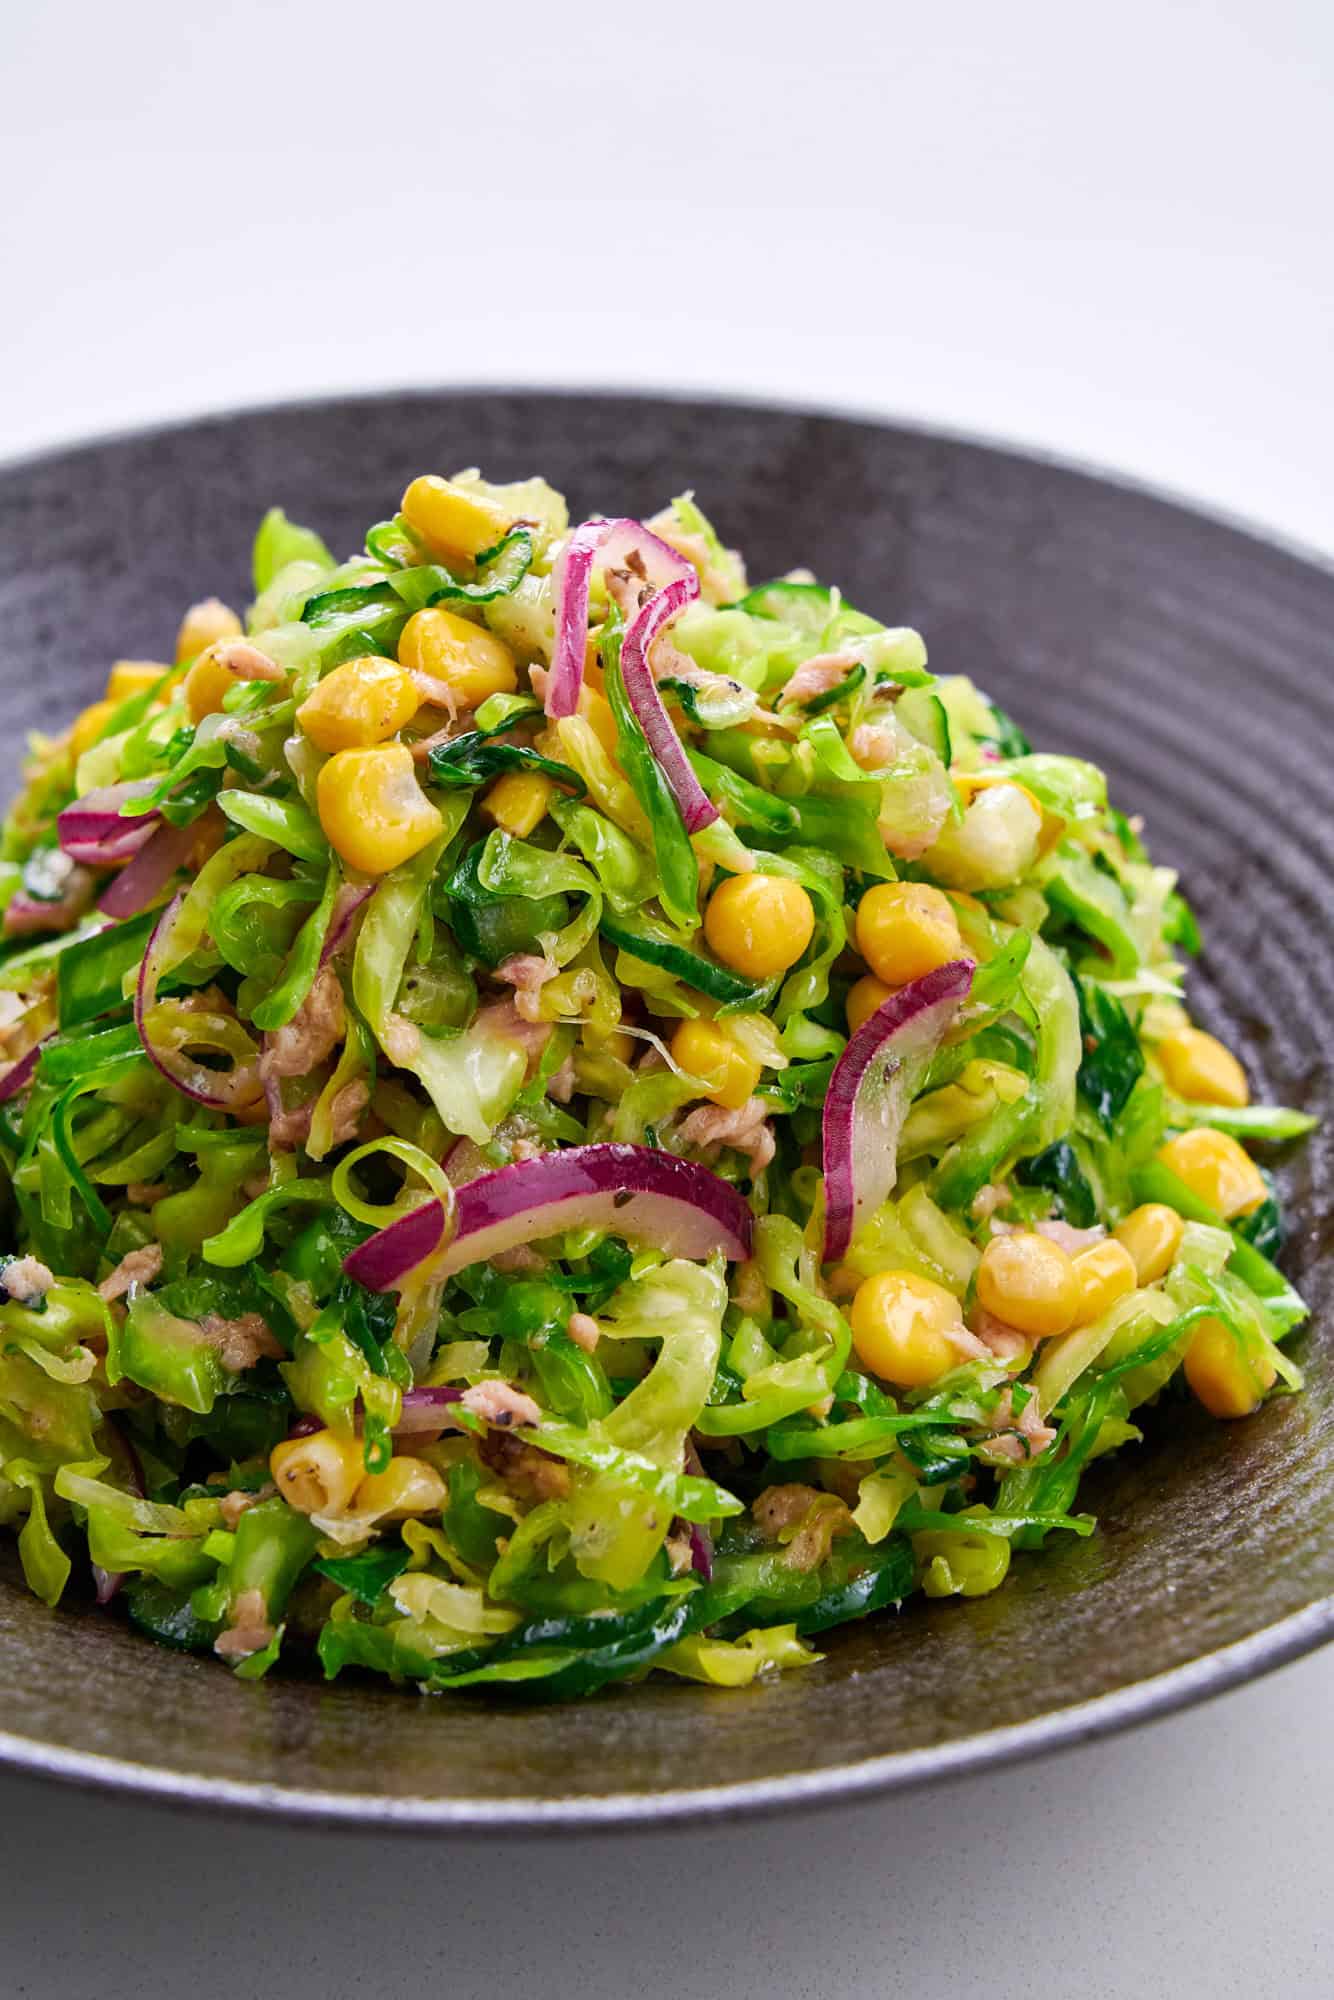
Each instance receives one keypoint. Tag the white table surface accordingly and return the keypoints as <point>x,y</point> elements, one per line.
<point>1104,231</point>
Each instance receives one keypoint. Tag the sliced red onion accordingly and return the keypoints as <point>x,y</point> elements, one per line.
<point>610,543</point>
<point>221,1090</point>
<point>305,1427</point>
<point>701,1551</point>
<point>106,1583</point>
<point>93,829</point>
<point>136,887</point>
<point>30,916</point>
<point>873,1084</point>
<point>384,1260</point>
<point>19,1075</point>
<point>641,691</point>
<point>633,1191</point>
<point>346,904</point>
<point>426,1410</point>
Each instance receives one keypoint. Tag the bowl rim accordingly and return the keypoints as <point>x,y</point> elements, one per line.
<point>1209,1674</point>
<point>1201,1679</point>
<point>999,442</point>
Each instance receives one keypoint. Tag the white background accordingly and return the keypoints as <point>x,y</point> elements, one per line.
<point>1100,229</point>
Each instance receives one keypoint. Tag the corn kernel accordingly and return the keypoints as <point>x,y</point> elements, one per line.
<point>453,520</point>
<point>906,929</point>
<point>363,701</point>
<point>131,677</point>
<point>406,1486</point>
<point>1029,1282</point>
<point>901,1325</point>
<point>317,1474</point>
<point>471,662</point>
<point>1105,1273</point>
<point>207,683</point>
<point>759,924</point>
<point>1199,1068</point>
<point>372,809</point>
<point>88,727</point>
<point>203,625</point>
<point>1151,1234</point>
<point>518,801</point>
<point>1229,1382</point>
<point>702,1049</point>
<point>1217,1169</point>
<point>863,1000</point>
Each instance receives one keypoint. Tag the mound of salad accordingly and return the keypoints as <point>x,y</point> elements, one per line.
<point>566,1115</point>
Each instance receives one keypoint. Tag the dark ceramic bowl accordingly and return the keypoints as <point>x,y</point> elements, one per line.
<point>1192,660</point>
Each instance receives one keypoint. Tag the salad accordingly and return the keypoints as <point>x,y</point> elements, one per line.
<point>563,1114</point>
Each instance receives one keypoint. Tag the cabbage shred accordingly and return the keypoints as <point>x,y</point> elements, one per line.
<point>698,1473</point>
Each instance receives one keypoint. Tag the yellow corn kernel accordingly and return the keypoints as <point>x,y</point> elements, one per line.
<point>203,625</point>
<point>901,1326</point>
<point>518,801</point>
<point>863,999</point>
<point>1151,1234</point>
<point>1199,1068</point>
<point>406,1486</point>
<point>454,521</point>
<point>471,662</point>
<point>317,1474</point>
<point>88,727</point>
<point>130,677</point>
<point>1105,1273</point>
<point>363,701</point>
<point>1029,1282</point>
<point>906,929</point>
<point>730,1075</point>
<point>207,682</point>
<point>1229,1382</point>
<point>759,924</point>
<point>372,809</point>
<point>1215,1168</point>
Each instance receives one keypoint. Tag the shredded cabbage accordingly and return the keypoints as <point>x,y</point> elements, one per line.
<point>590,1448</point>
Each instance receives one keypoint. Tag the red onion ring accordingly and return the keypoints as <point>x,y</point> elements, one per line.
<point>634,1191</point>
<point>426,1411</point>
<point>870,1091</point>
<point>641,691</point>
<point>166,849</point>
<point>187,1078</point>
<point>94,831</point>
<point>609,542</point>
<point>20,1074</point>
<point>701,1551</point>
<point>346,904</point>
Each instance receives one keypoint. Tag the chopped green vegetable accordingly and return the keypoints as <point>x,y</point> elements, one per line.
<point>477,1252</point>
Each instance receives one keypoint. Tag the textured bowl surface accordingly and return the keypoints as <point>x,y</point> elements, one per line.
<point>1192,660</point>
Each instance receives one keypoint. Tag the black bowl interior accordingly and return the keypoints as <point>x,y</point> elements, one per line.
<point>1196,663</point>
